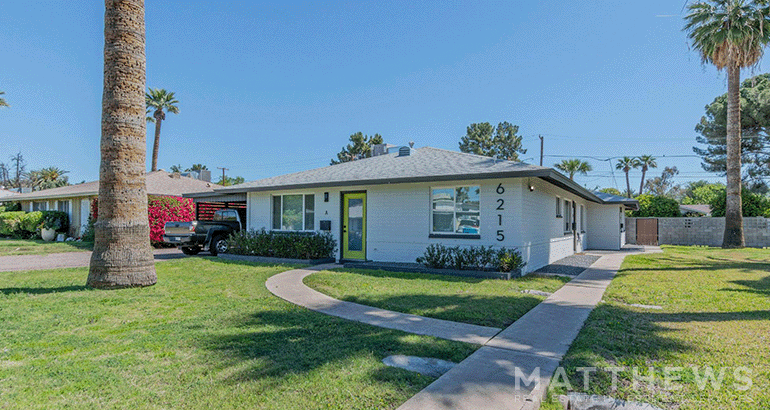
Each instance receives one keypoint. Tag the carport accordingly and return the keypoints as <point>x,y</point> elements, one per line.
<point>208,202</point>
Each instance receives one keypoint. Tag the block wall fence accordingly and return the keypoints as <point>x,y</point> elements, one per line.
<point>705,231</point>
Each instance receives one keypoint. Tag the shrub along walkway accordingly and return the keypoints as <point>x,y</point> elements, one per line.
<point>67,260</point>
<point>530,349</point>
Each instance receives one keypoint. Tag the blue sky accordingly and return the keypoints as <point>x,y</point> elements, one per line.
<point>267,88</point>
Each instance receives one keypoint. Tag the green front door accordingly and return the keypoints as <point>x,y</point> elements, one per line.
<point>354,226</point>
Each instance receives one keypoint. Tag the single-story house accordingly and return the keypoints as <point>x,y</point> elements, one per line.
<point>75,200</point>
<point>7,196</point>
<point>390,207</point>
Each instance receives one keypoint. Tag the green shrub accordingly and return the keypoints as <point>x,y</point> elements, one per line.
<point>651,206</point>
<point>10,223</point>
<point>294,245</point>
<point>31,221</point>
<point>752,204</point>
<point>56,220</point>
<point>89,234</point>
<point>438,256</point>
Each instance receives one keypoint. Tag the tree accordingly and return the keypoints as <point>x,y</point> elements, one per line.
<point>18,163</point>
<point>2,100</point>
<point>731,34</point>
<point>651,206</point>
<point>701,192</point>
<point>159,101</point>
<point>752,204</point>
<point>5,175</point>
<point>646,162</point>
<point>122,256</point>
<point>611,191</point>
<point>573,166</point>
<point>626,164</point>
<point>176,168</point>
<point>755,124</point>
<point>197,168</point>
<point>497,142</point>
<point>46,178</point>
<point>664,184</point>
<point>360,147</point>
<point>228,181</point>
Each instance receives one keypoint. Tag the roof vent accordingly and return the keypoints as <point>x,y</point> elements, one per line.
<point>379,149</point>
<point>404,151</point>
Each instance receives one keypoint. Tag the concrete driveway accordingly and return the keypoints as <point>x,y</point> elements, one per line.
<point>68,260</point>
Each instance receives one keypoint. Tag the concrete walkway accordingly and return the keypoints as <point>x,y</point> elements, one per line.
<point>67,260</point>
<point>529,350</point>
<point>288,286</point>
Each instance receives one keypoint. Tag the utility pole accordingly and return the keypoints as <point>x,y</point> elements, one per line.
<point>541,149</point>
<point>224,179</point>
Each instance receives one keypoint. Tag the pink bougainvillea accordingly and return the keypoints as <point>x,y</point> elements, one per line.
<point>161,209</point>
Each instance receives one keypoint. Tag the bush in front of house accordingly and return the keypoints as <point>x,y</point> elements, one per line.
<point>56,220</point>
<point>10,223</point>
<point>751,204</point>
<point>31,221</point>
<point>438,256</point>
<point>651,206</point>
<point>291,245</point>
<point>160,209</point>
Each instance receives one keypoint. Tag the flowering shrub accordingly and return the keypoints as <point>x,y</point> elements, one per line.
<point>161,209</point>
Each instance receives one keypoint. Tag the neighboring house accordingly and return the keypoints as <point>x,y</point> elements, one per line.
<point>75,200</point>
<point>695,210</point>
<point>7,196</point>
<point>390,207</point>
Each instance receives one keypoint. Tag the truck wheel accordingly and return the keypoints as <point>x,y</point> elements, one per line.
<point>218,245</point>
<point>191,250</point>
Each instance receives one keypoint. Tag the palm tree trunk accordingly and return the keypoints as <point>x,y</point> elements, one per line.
<point>733,237</point>
<point>641,184</point>
<point>156,145</point>
<point>122,255</point>
<point>628,186</point>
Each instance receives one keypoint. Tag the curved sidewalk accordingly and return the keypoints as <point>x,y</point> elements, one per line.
<point>289,286</point>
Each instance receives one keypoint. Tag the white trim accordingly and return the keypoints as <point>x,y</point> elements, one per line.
<point>304,212</point>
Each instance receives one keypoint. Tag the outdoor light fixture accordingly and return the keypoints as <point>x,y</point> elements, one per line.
<point>531,187</point>
<point>326,197</point>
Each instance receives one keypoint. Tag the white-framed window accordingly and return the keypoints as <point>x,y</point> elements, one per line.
<point>294,212</point>
<point>455,210</point>
<point>558,207</point>
<point>39,206</point>
<point>63,206</point>
<point>567,216</point>
<point>582,218</point>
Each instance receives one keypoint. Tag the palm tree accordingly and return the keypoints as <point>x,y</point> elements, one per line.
<point>626,164</point>
<point>159,101</point>
<point>2,100</point>
<point>122,256</point>
<point>731,34</point>
<point>646,162</point>
<point>46,178</point>
<point>573,166</point>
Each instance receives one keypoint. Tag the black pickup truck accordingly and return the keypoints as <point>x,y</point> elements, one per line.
<point>193,237</point>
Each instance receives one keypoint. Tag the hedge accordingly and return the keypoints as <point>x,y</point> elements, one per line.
<point>160,209</point>
<point>751,204</point>
<point>22,224</point>
<point>293,245</point>
<point>481,258</point>
<point>651,206</point>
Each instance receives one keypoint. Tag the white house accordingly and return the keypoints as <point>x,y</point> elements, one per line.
<point>390,207</point>
<point>75,200</point>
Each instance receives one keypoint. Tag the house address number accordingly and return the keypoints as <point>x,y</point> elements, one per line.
<point>500,201</point>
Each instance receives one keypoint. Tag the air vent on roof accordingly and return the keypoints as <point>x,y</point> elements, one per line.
<point>404,151</point>
<point>379,149</point>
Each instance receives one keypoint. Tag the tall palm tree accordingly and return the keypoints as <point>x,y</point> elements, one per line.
<point>731,34</point>
<point>627,164</point>
<point>573,166</point>
<point>646,162</point>
<point>46,178</point>
<point>122,255</point>
<point>159,101</point>
<point>2,100</point>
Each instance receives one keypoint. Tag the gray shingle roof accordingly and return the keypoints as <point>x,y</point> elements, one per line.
<point>158,183</point>
<point>425,164</point>
<point>615,199</point>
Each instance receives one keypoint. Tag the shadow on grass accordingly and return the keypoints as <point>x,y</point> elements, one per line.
<point>685,263</point>
<point>760,286</point>
<point>43,291</point>
<point>375,273</point>
<point>272,344</point>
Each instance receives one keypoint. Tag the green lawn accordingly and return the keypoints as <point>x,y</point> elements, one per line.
<point>486,302</point>
<point>716,312</point>
<point>208,335</point>
<point>39,247</point>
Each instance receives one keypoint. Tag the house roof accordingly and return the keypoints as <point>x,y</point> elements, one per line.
<point>616,199</point>
<point>425,164</point>
<point>4,193</point>
<point>696,208</point>
<point>158,183</point>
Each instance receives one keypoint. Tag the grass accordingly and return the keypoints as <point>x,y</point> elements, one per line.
<point>9,247</point>
<point>208,335</point>
<point>716,312</point>
<point>486,302</point>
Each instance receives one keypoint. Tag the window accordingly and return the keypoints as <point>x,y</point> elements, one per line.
<point>63,206</point>
<point>567,216</point>
<point>39,206</point>
<point>455,210</point>
<point>558,207</point>
<point>582,219</point>
<point>294,212</point>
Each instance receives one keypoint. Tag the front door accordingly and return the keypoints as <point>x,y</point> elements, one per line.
<point>354,226</point>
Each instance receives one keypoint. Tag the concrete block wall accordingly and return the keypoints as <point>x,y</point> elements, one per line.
<point>703,231</point>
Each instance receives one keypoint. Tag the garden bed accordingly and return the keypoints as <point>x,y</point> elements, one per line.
<point>418,268</point>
